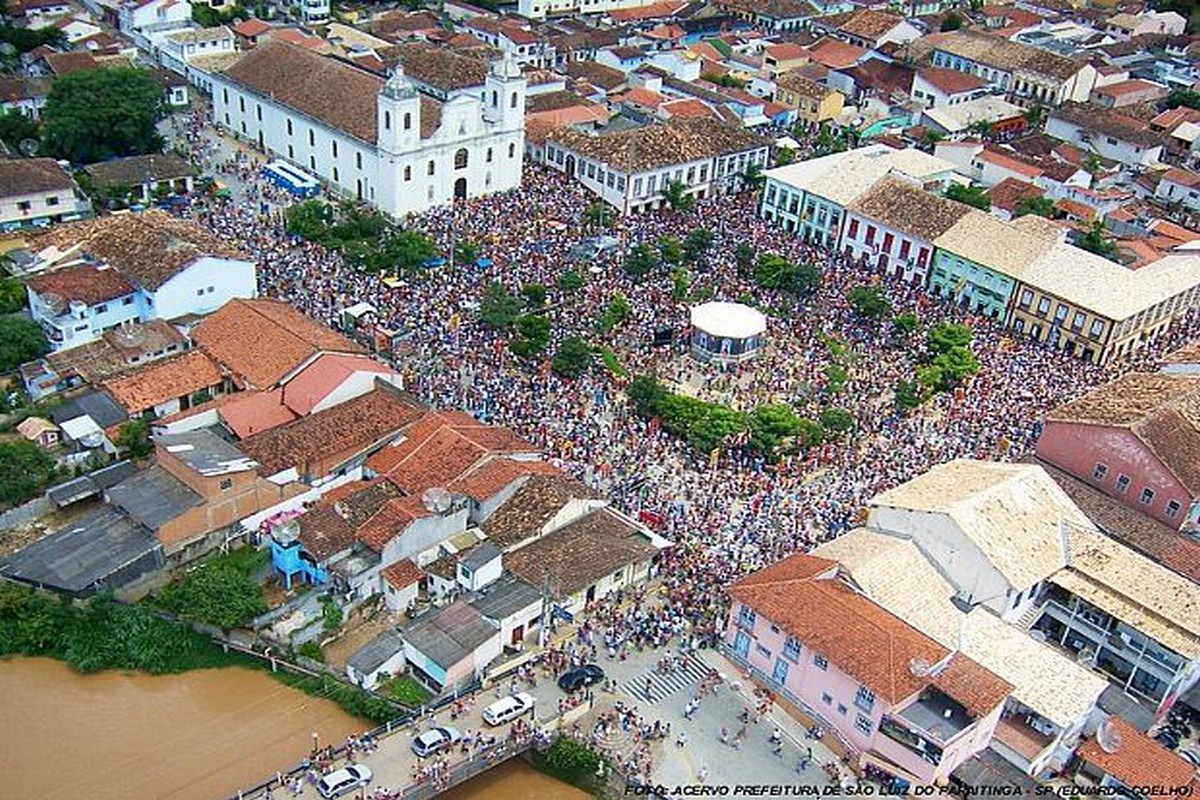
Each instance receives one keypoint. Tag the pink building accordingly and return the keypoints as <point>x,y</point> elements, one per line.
<point>900,701</point>
<point>1136,439</point>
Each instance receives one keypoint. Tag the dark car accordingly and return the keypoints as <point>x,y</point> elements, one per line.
<point>578,678</point>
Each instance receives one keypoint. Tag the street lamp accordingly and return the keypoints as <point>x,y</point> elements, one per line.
<point>316,737</point>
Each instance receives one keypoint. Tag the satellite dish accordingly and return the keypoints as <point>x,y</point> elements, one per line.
<point>129,335</point>
<point>436,499</point>
<point>919,667</point>
<point>1108,737</point>
<point>287,532</point>
<point>29,147</point>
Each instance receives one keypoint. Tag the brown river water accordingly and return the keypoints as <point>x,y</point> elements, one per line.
<point>198,735</point>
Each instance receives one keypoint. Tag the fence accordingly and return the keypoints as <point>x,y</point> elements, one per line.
<point>282,779</point>
<point>28,512</point>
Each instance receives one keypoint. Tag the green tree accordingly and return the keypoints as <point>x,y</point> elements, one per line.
<point>744,258</point>
<point>331,615</point>
<point>16,127</point>
<point>869,301</point>
<point>810,433</point>
<point>951,22</point>
<point>646,394</point>
<point>676,195</point>
<point>835,378</point>
<point>534,333</point>
<point>784,156</point>
<point>534,294</point>
<point>640,260</point>
<point>570,281</point>
<point>955,366</point>
<point>974,196</point>
<point>498,308</point>
<point>20,340</point>
<point>22,40</point>
<point>96,114</point>
<point>572,357</point>
<point>309,220</point>
<point>1041,206</point>
<point>1034,115</point>
<point>837,420</point>
<point>569,760</point>
<point>770,426</point>
<point>407,251</point>
<point>680,283</point>
<point>1183,97</point>
<point>25,470</point>
<point>948,335</point>
<point>776,272</point>
<point>908,395</point>
<point>715,427</point>
<point>615,313</point>
<point>696,245</point>
<point>753,177</point>
<point>133,438</point>
<point>12,295</point>
<point>466,251</point>
<point>222,592</point>
<point>1095,241</point>
<point>905,324</point>
<point>670,250</point>
<point>598,215</point>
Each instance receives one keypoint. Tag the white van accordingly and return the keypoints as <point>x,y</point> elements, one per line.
<point>508,708</point>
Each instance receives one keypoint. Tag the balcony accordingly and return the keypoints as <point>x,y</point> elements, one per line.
<point>938,715</point>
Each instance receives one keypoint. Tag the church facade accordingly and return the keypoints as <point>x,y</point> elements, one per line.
<point>385,142</point>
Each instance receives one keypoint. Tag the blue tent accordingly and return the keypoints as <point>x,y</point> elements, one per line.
<point>433,263</point>
<point>483,262</point>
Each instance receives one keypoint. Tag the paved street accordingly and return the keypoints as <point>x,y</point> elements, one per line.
<point>393,763</point>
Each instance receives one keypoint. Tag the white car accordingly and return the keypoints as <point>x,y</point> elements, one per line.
<point>344,780</point>
<point>434,740</point>
<point>508,708</point>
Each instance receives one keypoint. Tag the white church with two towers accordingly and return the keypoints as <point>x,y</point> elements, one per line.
<point>387,143</point>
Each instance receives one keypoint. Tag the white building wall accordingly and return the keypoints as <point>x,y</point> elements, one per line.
<point>422,535</point>
<point>206,285</point>
<point>911,266</point>
<point>1103,145</point>
<point>356,385</point>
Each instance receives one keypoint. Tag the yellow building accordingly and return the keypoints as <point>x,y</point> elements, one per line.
<point>1090,307</point>
<point>813,102</point>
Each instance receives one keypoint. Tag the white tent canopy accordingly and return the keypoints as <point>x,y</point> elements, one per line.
<point>728,320</point>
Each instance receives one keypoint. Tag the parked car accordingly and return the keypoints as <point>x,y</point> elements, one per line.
<point>508,708</point>
<point>580,677</point>
<point>344,780</point>
<point>434,740</point>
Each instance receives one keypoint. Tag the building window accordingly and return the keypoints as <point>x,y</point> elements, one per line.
<point>1122,483</point>
<point>289,127</point>
<point>258,112</point>
<point>762,651</point>
<point>1173,509</point>
<point>1100,471</point>
<point>126,301</point>
<point>103,307</point>
<point>430,168</point>
<point>820,662</point>
<point>333,147</point>
<point>1044,305</point>
<point>336,178</point>
<point>863,724</point>
<point>291,152</point>
<point>407,122</point>
<point>512,103</point>
<point>746,617</point>
<point>791,649</point>
<point>842,709</point>
<point>358,160</point>
<point>1078,320</point>
<point>408,173</point>
<point>1146,497</point>
<point>51,201</point>
<point>242,104</point>
<point>512,150</point>
<point>827,699</point>
<point>460,158</point>
<point>226,484</point>
<point>387,122</point>
<point>1060,313</point>
<point>865,699</point>
<point>1097,328</point>
<point>488,157</point>
<point>774,628</point>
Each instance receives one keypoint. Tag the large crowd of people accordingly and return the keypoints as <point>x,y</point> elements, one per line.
<point>727,513</point>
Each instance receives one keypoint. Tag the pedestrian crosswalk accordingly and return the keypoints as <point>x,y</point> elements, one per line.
<point>665,684</point>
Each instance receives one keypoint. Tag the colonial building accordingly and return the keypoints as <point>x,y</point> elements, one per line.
<point>390,143</point>
<point>37,191</point>
<point>1026,74</point>
<point>632,169</point>
<point>1107,133</point>
<point>91,277</point>
<point>902,702</point>
<point>1136,439</point>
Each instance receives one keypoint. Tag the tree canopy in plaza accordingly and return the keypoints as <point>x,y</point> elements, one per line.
<point>98,114</point>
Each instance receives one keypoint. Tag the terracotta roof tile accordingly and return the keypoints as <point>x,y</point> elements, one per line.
<point>402,574</point>
<point>21,176</point>
<point>323,533</point>
<point>532,507</point>
<point>950,81</point>
<point>148,248</point>
<point>134,170</point>
<point>437,67</point>
<point>332,92</point>
<point>86,284</point>
<point>1008,193</point>
<point>496,474</point>
<point>1138,760</point>
<point>909,209</point>
<point>859,637</point>
<point>263,340</point>
<point>675,142</point>
<point>834,53</point>
<point>390,521</point>
<point>164,380</point>
<point>312,385</point>
<point>321,441</point>
<point>248,413</point>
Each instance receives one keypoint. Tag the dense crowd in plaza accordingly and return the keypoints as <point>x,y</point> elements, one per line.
<point>729,513</point>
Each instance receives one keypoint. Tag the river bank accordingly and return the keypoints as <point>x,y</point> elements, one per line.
<point>199,735</point>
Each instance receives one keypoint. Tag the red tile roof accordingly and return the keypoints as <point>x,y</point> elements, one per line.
<point>1138,760</point>
<point>859,637</point>
<point>248,413</point>
<point>1008,193</point>
<point>251,28</point>
<point>402,574</point>
<point>164,380</point>
<point>834,53</point>
<point>313,384</point>
<point>687,108</point>
<point>390,521</point>
<point>263,340</point>
<point>950,81</point>
<point>86,284</point>
<point>788,51</point>
<point>496,474</point>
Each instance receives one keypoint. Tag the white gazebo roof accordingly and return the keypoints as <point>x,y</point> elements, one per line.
<point>732,320</point>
